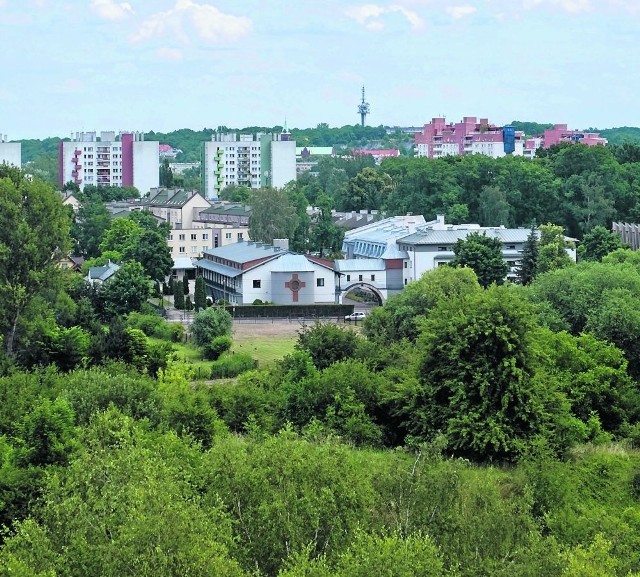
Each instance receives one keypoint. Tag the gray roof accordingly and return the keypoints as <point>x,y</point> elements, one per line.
<point>182,263</point>
<point>102,273</point>
<point>245,251</point>
<point>383,230</point>
<point>219,268</point>
<point>292,263</point>
<point>428,236</point>
<point>358,264</point>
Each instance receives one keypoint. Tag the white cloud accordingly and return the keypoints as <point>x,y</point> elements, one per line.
<point>573,6</point>
<point>460,11</point>
<point>187,18</point>
<point>111,10</point>
<point>371,15</point>
<point>166,53</point>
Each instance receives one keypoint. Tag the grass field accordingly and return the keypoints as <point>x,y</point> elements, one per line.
<point>264,342</point>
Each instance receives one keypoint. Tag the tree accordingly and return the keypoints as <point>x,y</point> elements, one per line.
<point>272,215</point>
<point>34,232</point>
<point>327,343</point>
<point>493,207</point>
<point>210,323</point>
<point>153,253</point>
<point>166,174</point>
<point>482,254</point>
<point>325,235</point>
<point>127,290</point>
<point>476,376</point>
<point>552,249</point>
<point>528,267</point>
<point>598,243</point>
<point>401,315</point>
<point>200,294</point>
<point>178,294</point>
<point>91,222</point>
<point>367,190</point>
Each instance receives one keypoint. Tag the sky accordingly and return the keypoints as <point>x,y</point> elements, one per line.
<point>91,65</point>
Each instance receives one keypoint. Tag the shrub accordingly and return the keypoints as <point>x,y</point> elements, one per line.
<point>216,347</point>
<point>210,323</point>
<point>232,365</point>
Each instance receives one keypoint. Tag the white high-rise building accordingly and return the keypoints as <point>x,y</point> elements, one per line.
<point>10,152</point>
<point>129,160</point>
<point>254,161</point>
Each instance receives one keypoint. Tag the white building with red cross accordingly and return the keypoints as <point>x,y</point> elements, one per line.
<point>246,271</point>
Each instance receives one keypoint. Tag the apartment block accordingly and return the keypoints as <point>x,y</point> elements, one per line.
<point>471,136</point>
<point>10,152</point>
<point>252,160</point>
<point>107,160</point>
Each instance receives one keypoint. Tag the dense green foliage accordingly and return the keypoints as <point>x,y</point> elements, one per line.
<point>460,431</point>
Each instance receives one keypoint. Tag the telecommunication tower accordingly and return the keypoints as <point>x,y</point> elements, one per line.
<point>363,109</point>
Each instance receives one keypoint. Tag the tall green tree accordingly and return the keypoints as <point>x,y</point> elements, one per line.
<point>200,294</point>
<point>34,233</point>
<point>552,248</point>
<point>476,375</point>
<point>127,290</point>
<point>482,254</point>
<point>326,236</point>
<point>90,224</point>
<point>272,215</point>
<point>166,174</point>
<point>528,266</point>
<point>598,243</point>
<point>178,294</point>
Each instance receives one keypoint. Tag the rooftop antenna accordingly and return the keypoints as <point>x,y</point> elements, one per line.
<point>363,109</point>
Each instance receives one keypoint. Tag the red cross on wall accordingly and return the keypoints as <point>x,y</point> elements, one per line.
<point>294,285</point>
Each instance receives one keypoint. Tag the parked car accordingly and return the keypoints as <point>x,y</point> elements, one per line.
<point>358,316</point>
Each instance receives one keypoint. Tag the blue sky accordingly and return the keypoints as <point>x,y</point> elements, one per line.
<point>74,65</point>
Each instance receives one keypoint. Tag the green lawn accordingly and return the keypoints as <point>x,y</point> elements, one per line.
<point>265,348</point>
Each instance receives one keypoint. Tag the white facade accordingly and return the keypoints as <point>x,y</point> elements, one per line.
<point>283,162</point>
<point>254,161</point>
<point>146,165</point>
<point>246,271</point>
<point>193,242</point>
<point>105,161</point>
<point>10,152</point>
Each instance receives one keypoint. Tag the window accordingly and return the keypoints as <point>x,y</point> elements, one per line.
<point>181,237</point>
<point>256,283</point>
<point>442,248</point>
<point>360,277</point>
<point>181,249</point>
<point>194,249</point>
<point>170,237</point>
<point>348,277</point>
<point>406,264</point>
<point>194,237</point>
<point>373,277</point>
<point>319,282</point>
<point>240,235</point>
<point>227,235</point>
<point>511,247</point>
<point>406,280</point>
<point>205,236</point>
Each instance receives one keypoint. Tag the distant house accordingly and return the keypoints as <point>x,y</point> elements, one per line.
<point>101,274</point>
<point>378,154</point>
<point>73,263</point>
